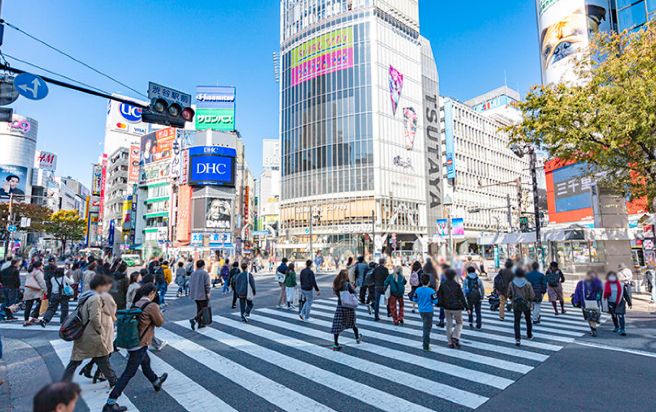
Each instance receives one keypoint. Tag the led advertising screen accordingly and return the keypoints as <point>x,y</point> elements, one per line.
<point>325,54</point>
<point>569,198</point>
<point>566,28</point>
<point>212,166</point>
<point>219,214</point>
<point>215,108</point>
<point>157,146</point>
<point>13,181</point>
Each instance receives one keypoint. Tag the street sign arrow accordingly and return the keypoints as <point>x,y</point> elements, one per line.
<point>31,86</point>
<point>11,228</point>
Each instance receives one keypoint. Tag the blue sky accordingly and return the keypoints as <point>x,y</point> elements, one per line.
<point>182,44</point>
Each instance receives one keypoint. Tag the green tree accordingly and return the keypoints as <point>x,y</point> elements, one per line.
<point>65,226</point>
<point>36,213</point>
<point>608,120</point>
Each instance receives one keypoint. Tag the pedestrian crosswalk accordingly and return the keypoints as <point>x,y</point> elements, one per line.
<point>277,362</point>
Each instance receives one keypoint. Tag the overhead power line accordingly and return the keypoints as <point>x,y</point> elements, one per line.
<point>2,21</point>
<point>54,73</point>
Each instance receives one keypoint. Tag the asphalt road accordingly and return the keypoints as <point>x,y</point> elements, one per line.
<point>279,363</point>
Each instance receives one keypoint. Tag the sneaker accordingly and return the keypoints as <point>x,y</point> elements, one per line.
<point>192,322</point>
<point>530,337</point>
<point>302,318</point>
<point>336,348</point>
<point>440,324</point>
<point>369,308</point>
<point>162,346</point>
<point>358,340</point>
<point>157,385</point>
<point>622,333</point>
<point>43,323</point>
<point>451,345</point>
<point>518,343</point>
<point>593,333</point>
<point>233,307</point>
<point>244,319</point>
<point>456,343</point>
<point>292,307</point>
<point>247,314</point>
<point>427,349</point>
<point>279,306</point>
<point>114,408</point>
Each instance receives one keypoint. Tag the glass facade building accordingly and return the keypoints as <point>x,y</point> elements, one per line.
<point>632,15</point>
<point>352,137</point>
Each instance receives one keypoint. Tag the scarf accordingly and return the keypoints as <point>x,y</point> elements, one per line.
<point>620,291</point>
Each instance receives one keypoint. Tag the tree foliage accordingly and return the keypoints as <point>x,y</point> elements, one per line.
<point>38,215</point>
<point>608,120</point>
<point>66,225</point>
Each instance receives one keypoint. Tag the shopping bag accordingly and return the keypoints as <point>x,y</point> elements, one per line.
<point>44,306</point>
<point>206,315</point>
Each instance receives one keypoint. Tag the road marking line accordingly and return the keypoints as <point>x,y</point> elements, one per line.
<point>428,363</point>
<point>273,392</point>
<point>95,396</point>
<point>363,393</point>
<point>611,348</point>
<point>438,389</point>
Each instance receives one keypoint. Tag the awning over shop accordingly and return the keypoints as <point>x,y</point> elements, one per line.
<point>559,235</point>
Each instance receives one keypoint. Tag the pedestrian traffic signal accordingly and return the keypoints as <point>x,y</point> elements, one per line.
<point>167,113</point>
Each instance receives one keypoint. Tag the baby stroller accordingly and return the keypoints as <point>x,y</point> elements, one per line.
<point>494,300</point>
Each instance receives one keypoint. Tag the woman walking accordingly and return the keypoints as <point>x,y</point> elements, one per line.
<point>555,280</point>
<point>59,292</point>
<point>245,289</point>
<point>617,295</point>
<point>180,279</point>
<point>97,309</point>
<point>35,287</point>
<point>587,296</point>
<point>135,284</point>
<point>344,317</point>
<point>415,282</point>
<point>290,286</point>
<point>451,298</point>
<point>396,282</point>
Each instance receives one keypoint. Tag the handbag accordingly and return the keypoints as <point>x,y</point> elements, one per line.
<point>348,299</point>
<point>32,283</point>
<point>249,288</point>
<point>206,315</point>
<point>388,292</point>
<point>280,277</point>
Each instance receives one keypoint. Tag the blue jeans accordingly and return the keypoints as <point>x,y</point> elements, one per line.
<point>162,288</point>
<point>226,286</point>
<point>307,306</point>
<point>10,296</point>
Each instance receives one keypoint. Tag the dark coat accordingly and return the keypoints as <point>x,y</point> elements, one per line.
<point>119,290</point>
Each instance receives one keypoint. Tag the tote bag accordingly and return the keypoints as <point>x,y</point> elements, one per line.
<point>349,300</point>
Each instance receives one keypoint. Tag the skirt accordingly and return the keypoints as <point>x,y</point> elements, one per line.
<point>344,319</point>
<point>555,293</point>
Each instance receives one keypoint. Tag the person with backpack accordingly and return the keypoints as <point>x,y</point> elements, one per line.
<point>96,309</point>
<point>308,287</point>
<point>539,283</point>
<point>617,296</point>
<point>396,282</point>
<point>199,292</point>
<point>344,314</point>
<point>180,279</point>
<point>150,316</point>
<point>290,286</point>
<point>35,287</point>
<point>415,282</point>
<point>234,272</point>
<point>59,293</point>
<point>10,280</point>
<point>225,276</point>
<point>501,282</point>
<point>120,283</point>
<point>587,296</point>
<point>160,281</point>
<point>245,288</point>
<point>360,271</point>
<point>474,291</point>
<point>555,280</point>
<point>520,292</point>
<point>426,299</point>
<point>367,289</point>
<point>380,275</point>
<point>451,297</point>
<point>281,272</point>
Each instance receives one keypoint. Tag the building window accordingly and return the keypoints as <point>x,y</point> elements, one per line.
<point>632,16</point>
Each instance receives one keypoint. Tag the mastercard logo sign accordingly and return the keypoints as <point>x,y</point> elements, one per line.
<point>121,126</point>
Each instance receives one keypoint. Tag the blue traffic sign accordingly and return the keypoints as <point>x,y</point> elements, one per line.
<point>31,86</point>
<point>11,228</point>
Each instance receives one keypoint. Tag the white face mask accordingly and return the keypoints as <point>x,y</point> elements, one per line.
<point>612,278</point>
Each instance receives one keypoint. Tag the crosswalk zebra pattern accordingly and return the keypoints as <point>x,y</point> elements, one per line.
<point>277,362</point>
<point>171,295</point>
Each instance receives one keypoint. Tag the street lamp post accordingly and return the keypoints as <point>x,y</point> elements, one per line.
<point>520,151</point>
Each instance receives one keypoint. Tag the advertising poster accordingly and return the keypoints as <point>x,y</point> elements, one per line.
<point>211,165</point>
<point>410,121</point>
<point>176,159</point>
<point>566,27</point>
<point>395,87</point>
<point>45,161</point>
<point>124,118</point>
<point>215,108</point>
<point>450,141</point>
<point>325,54</point>
<point>133,164</point>
<point>157,146</point>
<point>103,178</point>
<point>96,180</point>
<point>22,126</point>
<point>13,181</point>
<point>155,171</point>
<point>219,214</point>
<point>457,227</point>
<point>183,227</point>
<point>569,195</point>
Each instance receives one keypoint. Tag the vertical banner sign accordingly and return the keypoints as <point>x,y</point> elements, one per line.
<point>450,142</point>
<point>96,180</point>
<point>395,87</point>
<point>133,164</point>
<point>110,237</point>
<point>410,121</point>
<point>103,180</point>
<point>215,108</point>
<point>247,197</point>
<point>176,159</point>
<point>184,214</point>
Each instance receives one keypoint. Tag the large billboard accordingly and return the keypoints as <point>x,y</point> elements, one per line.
<point>45,161</point>
<point>565,29</point>
<point>325,54</point>
<point>569,195</point>
<point>212,166</point>
<point>157,146</point>
<point>450,141</point>
<point>215,108</point>
<point>13,181</point>
<point>219,214</point>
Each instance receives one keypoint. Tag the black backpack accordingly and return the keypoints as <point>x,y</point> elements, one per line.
<point>519,304</point>
<point>473,291</point>
<point>498,283</point>
<point>73,327</point>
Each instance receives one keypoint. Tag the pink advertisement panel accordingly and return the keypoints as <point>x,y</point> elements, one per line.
<point>322,65</point>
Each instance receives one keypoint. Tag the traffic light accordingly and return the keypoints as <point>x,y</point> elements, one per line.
<point>523,224</point>
<point>167,113</point>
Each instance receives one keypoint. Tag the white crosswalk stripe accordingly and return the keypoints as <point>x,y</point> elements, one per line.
<point>382,373</point>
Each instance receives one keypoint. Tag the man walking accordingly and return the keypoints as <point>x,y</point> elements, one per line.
<point>199,291</point>
<point>538,281</point>
<point>501,282</point>
<point>10,279</point>
<point>308,287</point>
<point>520,292</point>
<point>380,274</point>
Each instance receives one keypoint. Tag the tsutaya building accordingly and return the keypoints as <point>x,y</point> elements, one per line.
<point>359,89</point>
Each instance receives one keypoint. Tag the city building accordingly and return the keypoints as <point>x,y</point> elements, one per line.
<point>632,15</point>
<point>352,127</point>
<point>268,194</point>
<point>17,156</point>
<point>67,194</point>
<point>488,185</point>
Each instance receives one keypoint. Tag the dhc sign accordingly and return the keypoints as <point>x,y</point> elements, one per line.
<point>212,170</point>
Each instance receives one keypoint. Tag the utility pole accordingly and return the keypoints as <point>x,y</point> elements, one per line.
<point>10,216</point>
<point>311,223</point>
<point>373,231</point>
<point>536,204</point>
<point>509,206</point>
